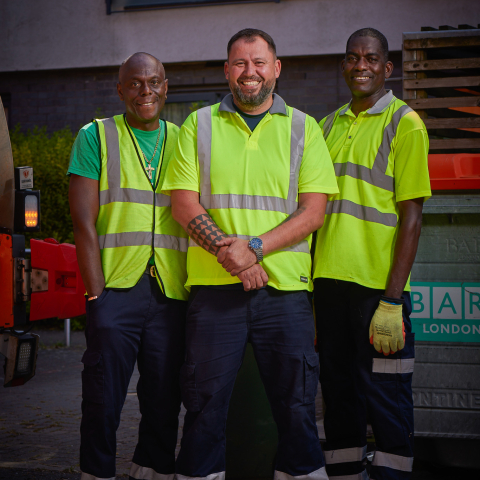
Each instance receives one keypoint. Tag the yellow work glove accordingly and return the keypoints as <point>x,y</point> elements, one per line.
<point>387,332</point>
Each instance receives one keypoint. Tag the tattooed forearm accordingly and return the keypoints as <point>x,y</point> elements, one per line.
<point>205,233</point>
<point>296,213</point>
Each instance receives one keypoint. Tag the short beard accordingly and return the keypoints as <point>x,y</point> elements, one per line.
<point>251,102</point>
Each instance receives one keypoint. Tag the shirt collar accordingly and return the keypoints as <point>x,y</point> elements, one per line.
<point>379,107</point>
<point>278,106</point>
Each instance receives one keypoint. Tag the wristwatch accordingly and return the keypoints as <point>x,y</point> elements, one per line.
<point>256,245</point>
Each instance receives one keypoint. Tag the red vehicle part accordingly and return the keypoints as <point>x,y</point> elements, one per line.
<point>6,286</point>
<point>456,171</point>
<point>65,297</point>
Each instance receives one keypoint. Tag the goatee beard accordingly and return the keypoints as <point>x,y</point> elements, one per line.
<point>251,102</point>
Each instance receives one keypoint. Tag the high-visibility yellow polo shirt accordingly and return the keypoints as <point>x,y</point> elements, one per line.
<point>380,158</point>
<point>249,183</point>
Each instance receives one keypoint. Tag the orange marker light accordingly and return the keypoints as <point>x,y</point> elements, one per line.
<point>31,211</point>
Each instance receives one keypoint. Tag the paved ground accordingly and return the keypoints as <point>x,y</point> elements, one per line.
<point>39,422</point>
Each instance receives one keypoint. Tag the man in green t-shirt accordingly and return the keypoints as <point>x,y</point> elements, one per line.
<point>363,258</point>
<point>131,255</point>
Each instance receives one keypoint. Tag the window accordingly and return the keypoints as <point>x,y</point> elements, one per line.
<point>118,6</point>
<point>180,105</point>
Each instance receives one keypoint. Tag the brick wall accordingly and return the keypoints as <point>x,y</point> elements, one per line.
<point>73,97</point>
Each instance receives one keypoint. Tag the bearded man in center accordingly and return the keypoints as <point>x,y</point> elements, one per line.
<point>249,182</point>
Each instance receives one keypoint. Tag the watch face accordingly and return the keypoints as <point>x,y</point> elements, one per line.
<point>256,243</point>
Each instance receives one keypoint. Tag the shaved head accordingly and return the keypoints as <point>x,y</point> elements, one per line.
<point>142,86</point>
<point>139,60</point>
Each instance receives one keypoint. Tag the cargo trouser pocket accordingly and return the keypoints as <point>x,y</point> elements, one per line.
<point>189,387</point>
<point>311,372</point>
<point>92,377</point>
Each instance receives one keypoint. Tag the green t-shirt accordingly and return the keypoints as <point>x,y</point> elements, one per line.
<point>85,158</point>
<point>86,161</point>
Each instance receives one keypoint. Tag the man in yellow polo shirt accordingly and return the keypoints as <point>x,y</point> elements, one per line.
<point>363,258</point>
<point>249,183</point>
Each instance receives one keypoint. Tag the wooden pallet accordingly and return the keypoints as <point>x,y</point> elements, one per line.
<point>441,81</point>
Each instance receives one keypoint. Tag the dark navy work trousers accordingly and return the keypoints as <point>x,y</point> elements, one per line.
<point>123,326</point>
<point>359,383</point>
<point>280,327</point>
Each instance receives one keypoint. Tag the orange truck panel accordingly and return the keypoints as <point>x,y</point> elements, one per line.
<point>6,286</point>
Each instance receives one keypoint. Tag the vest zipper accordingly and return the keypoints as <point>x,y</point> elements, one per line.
<point>154,188</point>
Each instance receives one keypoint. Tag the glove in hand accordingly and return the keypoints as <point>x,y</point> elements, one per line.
<point>387,331</point>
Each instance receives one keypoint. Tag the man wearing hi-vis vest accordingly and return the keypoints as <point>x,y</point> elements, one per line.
<point>363,258</point>
<point>132,257</point>
<point>249,183</point>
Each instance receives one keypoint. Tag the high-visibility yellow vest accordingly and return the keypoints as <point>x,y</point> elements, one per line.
<point>253,207</point>
<point>134,220</point>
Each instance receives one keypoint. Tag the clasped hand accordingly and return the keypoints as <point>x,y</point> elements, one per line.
<point>237,257</point>
<point>239,260</point>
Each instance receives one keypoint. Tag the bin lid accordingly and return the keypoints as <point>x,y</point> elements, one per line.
<point>455,171</point>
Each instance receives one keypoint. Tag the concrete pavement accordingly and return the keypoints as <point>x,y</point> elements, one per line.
<point>40,421</point>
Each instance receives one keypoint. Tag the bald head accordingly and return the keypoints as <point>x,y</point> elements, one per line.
<point>142,86</point>
<point>140,60</point>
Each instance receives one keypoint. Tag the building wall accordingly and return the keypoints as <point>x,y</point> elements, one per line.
<point>60,98</point>
<point>53,34</point>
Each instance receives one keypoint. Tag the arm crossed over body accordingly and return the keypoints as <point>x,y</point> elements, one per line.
<point>188,212</point>
<point>306,219</point>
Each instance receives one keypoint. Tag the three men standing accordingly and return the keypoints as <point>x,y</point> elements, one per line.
<point>132,257</point>
<point>249,183</point>
<point>363,258</point>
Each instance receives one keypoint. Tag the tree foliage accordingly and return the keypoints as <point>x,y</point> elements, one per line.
<point>49,156</point>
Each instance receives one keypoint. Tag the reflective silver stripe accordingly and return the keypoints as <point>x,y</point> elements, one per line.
<point>369,175</point>
<point>399,365</point>
<point>361,212</point>
<point>297,143</point>
<point>113,152</point>
<point>345,455</point>
<point>136,239</point>
<point>171,242</point>
<point>204,150</point>
<point>327,126</point>
<point>382,459</point>
<point>212,476</point>
<point>249,202</point>
<point>301,247</point>
<point>319,474</point>
<point>125,239</point>
<point>144,473</point>
<point>132,195</point>
<point>381,160</point>
<point>87,476</point>
<point>377,174</point>
<point>356,476</point>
